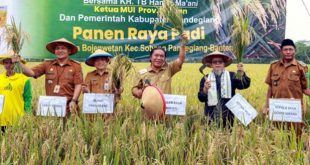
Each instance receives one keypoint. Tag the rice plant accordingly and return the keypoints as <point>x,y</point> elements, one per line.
<point>120,68</point>
<point>14,37</point>
<point>172,18</point>
<point>127,138</point>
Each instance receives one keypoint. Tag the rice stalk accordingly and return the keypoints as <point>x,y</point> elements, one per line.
<point>128,139</point>
<point>273,8</point>
<point>255,7</point>
<point>120,68</point>
<point>261,9</point>
<point>242,35</point>
<point>171,18</point>
<point>15,38</point>
<point>3,151</point>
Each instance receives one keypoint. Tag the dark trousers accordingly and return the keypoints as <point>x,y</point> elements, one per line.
<point>222,119</point>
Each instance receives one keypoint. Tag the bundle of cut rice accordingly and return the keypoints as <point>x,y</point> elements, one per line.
<point>14,37</point>
<point>119,68</point>
<point>241,37</point>
<point>172,18</point>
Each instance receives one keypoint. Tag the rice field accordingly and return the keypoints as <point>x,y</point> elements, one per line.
<point>127,138</point>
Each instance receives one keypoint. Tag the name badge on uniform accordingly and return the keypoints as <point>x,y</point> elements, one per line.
<point>106,85</point>
<point>56,88</point>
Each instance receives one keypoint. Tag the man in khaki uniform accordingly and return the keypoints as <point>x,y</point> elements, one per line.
<point>286,79</point>
<point>159,73</point>
<point>97,81</point>
<point>63,76</point>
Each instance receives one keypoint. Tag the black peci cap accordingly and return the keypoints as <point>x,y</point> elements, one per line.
<point>287,42</point>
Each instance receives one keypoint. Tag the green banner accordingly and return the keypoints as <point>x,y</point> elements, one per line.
<point>127,26</point>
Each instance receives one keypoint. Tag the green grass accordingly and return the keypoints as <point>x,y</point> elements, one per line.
<point>126,138</point>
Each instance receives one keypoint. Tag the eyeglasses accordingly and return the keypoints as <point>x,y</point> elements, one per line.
<point>217,62</point>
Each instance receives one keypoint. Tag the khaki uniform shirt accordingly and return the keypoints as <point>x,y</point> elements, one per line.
<point>287,81</point>
<point>97,83</point>
<point>67,76</point>
<point>161,79</point>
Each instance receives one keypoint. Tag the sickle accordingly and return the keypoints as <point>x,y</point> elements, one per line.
<point>202,68</point>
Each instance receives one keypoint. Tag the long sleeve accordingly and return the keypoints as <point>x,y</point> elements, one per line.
<point>202,96</point>
<point>27,97</point>
<point>39,70</point>
<point>87,82</point>
<point>78,75</point>
<point>243,83</point>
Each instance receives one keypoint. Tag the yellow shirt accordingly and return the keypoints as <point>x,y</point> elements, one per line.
<point>161,79</point>
<point>13,90</point>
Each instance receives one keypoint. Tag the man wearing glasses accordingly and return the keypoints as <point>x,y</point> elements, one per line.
<point>219,86</point>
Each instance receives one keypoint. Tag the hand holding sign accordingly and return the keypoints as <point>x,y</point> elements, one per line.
<point>98,103</point>
<point>52,106</point>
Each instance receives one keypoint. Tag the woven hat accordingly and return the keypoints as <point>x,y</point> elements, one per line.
<point>153,102</point>
<point>207,59</point>
<point>90,61</point>
<point>9,55</point>
<point>52,45</point>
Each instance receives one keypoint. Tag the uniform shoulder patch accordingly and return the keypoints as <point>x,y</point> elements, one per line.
<point>302,63</point>
<point>274,61</point>
<point>142,71</point>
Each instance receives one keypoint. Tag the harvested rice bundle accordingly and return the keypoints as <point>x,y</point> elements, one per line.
<point>15,38</point>
<point>172,18</point>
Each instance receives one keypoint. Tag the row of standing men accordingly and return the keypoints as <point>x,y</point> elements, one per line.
<point>63,77</point>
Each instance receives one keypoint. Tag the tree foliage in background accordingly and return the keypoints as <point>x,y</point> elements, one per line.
<point>303,51</point>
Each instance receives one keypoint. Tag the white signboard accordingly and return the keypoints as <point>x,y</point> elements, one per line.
<point>1,103</point>
<point>241,109</point>
<point>288,110</point>
<point>52,106</point>
<point>175,104</point>
<point>98,103</point>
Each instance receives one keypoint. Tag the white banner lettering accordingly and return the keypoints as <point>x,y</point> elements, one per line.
<point>98,103</point>
<point>52,106</point>
<point>175,105</point>
<point>288,110</point>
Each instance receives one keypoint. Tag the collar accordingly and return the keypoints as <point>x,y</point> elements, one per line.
<point>164,67</point>
<point>96,72</point>
<point>55,62</point>
<point>293,62</point>
<point>13,77</point>
<point>6,74</point>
